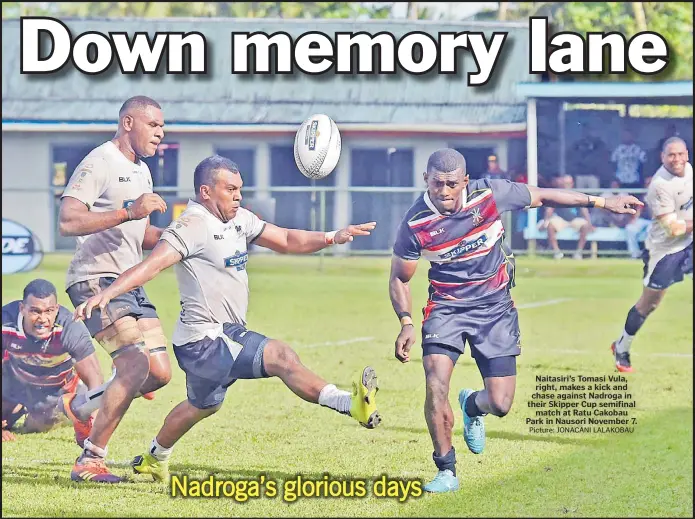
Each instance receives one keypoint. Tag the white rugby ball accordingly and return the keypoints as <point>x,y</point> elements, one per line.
<point>317,147</point>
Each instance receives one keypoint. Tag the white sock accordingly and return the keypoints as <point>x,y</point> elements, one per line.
<point>335,398</point>
<point>84,404</point>
<point>93,450</point>
<point>159,452</point>
<point>623,344</point>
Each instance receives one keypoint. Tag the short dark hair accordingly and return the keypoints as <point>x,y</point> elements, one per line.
<point>446,160</point>
<point>40,289</point>
<point>141,102</point>
<point>204,174</point>
<point>672,140</point>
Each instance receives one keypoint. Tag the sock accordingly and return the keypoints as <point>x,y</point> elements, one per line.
<point>446,462</point>
<point>633,323</point>
<point>335,398</point>
<point>159,452</point>
<point>472,408</point>
<point>92,451</point>
<point>84,404</point>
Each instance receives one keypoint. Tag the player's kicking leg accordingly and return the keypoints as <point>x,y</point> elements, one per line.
<point>438,362</point>
<point>661,271</point>
<point>212,365</point>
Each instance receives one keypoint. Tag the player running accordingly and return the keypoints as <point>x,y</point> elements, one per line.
<point>45,356</point>
<point>107,204</point>
<point>668,253</point>
<point>456,226</point>
<point>208,246</point>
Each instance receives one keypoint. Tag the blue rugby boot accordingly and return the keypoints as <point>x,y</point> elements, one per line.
<point>473,426</point>
<point>444,481</point>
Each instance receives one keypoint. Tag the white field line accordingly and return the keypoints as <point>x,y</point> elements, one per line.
<point>538,304</point>
<point>339,343</point>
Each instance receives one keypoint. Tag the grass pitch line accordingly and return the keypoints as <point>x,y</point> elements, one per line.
<point>339,343</point>
<point>549,302</point>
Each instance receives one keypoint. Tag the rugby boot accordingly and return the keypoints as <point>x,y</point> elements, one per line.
<point>148,464</point>
<point>363,407</point>
<point>444,481</point>
<point>622,361</point>
<point>92,469</point>
<point>473,426</point>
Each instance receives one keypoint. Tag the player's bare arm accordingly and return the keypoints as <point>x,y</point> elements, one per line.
<point>163,256</point>
<point>76,219</point>
<point>89,371</point>
<point>402,271</point>
<point>544,197</point>
<point>297,241</point>
<point>673,226</point>
<point>152,235</point>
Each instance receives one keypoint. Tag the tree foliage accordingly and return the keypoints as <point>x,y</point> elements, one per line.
<point>672,20</point>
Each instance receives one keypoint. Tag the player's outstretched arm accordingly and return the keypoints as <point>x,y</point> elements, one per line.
<point>297,241</point>
<point>89,371</point>
<point>163,256</point>
<point>402,271</point>
<point>621,204</point>
<point>76,219</point>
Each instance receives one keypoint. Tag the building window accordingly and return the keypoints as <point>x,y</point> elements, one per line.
<point>387,167</point>
<point>476,160</point>
<point>245,158</point>
<point>164,165</point>
<point>298,210</point>
<point>65,158</point>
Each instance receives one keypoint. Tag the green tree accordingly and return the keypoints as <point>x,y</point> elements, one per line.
<point>198,9</point>
<point>672,20</point>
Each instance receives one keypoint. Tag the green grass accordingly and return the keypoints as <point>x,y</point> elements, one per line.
<point>264,429</point>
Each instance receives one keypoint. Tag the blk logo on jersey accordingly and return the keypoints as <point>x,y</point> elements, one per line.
<point>464,247</point>
<point>124,179</point>
<point>237,261</point>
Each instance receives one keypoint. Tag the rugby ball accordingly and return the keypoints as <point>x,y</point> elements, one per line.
<point>317,147</point>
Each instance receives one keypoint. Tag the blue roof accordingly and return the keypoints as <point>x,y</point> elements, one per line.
<point>674,92</point>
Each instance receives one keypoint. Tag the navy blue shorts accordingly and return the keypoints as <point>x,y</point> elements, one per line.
<point>660,272</point>
<point>37,399</point>
<point>491,331</point>
<point>212,365</point>
<point>134,303</point>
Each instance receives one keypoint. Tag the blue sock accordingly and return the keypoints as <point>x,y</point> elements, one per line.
<point>472,408</point>
<point>446,462</point>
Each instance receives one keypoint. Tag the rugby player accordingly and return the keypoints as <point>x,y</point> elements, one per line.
<point>207,245</point>
<point>107,204</point>
<point>46,356</point>
<point>668,252</point>
<point>456,226</point>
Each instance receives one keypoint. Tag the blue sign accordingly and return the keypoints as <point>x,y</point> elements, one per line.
<point>21,249</point>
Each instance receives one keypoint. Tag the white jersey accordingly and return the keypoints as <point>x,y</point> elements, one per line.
<point>104,181</point>
<point>670,194</point>
<point>212,276</point>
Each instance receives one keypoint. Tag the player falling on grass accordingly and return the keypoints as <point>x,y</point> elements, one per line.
<point>208,246</point>
<point>107,204</point>
<point>668,253</point>
<point>46,355</point>
<point>456,226</point>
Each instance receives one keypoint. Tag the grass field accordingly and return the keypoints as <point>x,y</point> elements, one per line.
<point>339,319</point>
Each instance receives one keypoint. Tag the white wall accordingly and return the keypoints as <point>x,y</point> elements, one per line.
<point>28,198</point>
